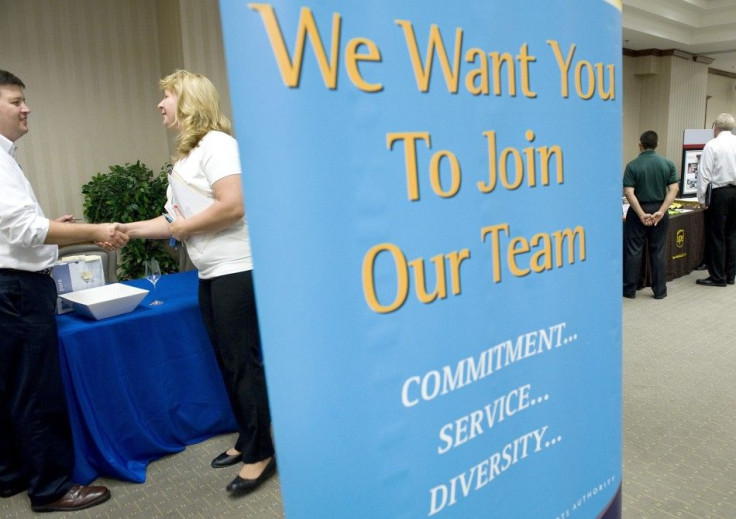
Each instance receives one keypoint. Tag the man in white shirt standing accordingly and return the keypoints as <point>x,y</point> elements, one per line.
<point>718,168</point>
<point>36,451</point>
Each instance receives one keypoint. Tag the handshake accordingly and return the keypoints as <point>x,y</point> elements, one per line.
<point>109,236</point>
<point>113,237</point>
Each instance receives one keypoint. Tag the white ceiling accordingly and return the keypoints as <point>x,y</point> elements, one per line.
<point>701,27</point>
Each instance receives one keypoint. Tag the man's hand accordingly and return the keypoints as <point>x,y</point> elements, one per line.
<point>656,218</point>
<point>646,219</point>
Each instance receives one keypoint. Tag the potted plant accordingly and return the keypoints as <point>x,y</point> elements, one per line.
<point>127,194</point>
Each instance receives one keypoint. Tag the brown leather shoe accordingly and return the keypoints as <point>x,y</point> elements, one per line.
<point>77,498</point>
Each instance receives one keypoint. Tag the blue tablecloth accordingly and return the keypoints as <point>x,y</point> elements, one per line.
<point>141,385</point>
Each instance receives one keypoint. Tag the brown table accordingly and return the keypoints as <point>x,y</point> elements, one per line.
<point>685,246</point>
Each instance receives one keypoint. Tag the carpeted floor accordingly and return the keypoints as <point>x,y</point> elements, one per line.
<point>679,385</point>
<point>182,485</point>
<point>678,426</point>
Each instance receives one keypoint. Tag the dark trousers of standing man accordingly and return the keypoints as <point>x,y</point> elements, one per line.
<point>228,309</point>
<point>636,234</point>
<point>720,234</point>
<point>36,450</point>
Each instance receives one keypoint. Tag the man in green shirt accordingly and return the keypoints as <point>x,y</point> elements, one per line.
<point>650,186</point>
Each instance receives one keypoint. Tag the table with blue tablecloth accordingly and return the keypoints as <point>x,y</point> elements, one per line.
<point>141,385</point>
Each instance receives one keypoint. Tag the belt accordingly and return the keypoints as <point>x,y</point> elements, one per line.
<point>44,272</point>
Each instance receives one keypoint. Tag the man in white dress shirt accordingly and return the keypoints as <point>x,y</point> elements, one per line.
<point>718,168</point>
<point>36,451</point>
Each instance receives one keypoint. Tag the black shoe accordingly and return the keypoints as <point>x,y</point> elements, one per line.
<point>702,266</point>
<point>11,490</point>
<point>708,282</point>
<point>630,296</point>
<point>730,281</point>
<point>239,486</point>
<point>660,296</point>
<point>225,460</point>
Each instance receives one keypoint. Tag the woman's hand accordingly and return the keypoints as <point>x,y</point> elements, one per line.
<point>177,228</point>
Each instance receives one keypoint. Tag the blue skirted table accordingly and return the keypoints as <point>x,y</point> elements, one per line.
<point>141,385</point>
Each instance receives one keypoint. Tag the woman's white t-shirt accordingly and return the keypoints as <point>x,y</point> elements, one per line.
<point>226,251</point>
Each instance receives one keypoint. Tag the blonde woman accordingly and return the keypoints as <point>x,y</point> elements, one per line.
<point>206,203</point>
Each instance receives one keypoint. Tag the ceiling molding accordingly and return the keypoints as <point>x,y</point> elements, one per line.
<point>704,28</point>
<point>717,72</point>
<point>677,53</point>
<point>703,59</point>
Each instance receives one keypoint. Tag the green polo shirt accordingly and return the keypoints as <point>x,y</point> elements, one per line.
<point>650,174</point>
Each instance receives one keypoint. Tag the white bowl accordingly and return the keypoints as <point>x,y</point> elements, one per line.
<point>105,301</point>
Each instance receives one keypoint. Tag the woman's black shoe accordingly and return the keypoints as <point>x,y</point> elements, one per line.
<point>241,485</point>
<point>225,460</point>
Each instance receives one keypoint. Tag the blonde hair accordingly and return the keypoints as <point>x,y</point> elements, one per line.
<point>197,109</point>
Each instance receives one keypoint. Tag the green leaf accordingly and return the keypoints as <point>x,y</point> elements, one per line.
<point>126,194</point>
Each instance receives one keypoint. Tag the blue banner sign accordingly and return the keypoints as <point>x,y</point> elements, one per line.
<point>433,191</point>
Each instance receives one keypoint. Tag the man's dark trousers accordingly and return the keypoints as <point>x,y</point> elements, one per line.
<point>636,234</point>
<point>36,449</point>
<point>720,237</point>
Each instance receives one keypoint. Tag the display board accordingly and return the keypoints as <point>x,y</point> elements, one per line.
<point>689,177</point>
<point>693,142</point>
<point>433,197</point>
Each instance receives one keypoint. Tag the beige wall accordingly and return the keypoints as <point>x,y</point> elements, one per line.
<point>686,105</point>
<point>668,94</point>
<point>723,97</point>
<point>190,37</point>
<point>646,96</point>
<point>91,69</point>
<point>203,50</point>
<point>631,104</point>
